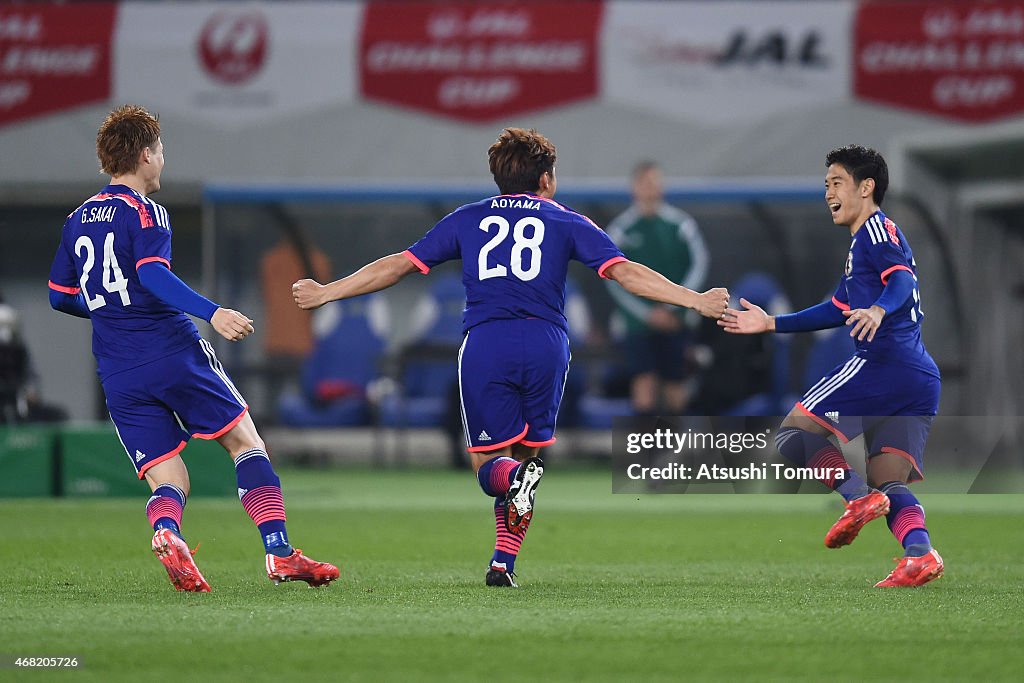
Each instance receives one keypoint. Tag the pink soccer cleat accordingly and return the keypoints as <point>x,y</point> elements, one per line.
<point>858,513</point>
<point>176,558</point>
<point>298,567</point>
<point>911,572</point>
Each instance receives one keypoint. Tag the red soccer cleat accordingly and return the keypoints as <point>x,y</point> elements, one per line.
<point>298,567</point>
<point>174,554</point>
<point>859,512</point>
<point>911,572</point>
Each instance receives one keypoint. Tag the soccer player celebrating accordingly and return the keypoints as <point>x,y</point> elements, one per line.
<point>162,381</point>
<point>888,390</point>
<point>515,250</point>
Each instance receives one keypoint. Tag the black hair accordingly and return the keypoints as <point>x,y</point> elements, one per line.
<point>862,163</point>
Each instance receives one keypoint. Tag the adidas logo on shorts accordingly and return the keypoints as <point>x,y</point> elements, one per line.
<point>484,436</point>
<point>833,415</point>
<point>139,455</point>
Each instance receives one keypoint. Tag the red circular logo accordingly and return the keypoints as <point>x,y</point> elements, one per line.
<point>233,47</point>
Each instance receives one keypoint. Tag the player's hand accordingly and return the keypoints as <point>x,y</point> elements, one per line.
<point>712,303</point>
<point>231,324</point>
<point>308,294</point>
<point>865,322</point>
<point>751,320</point>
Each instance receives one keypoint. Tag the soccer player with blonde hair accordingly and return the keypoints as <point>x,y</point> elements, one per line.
<point>163,382</point>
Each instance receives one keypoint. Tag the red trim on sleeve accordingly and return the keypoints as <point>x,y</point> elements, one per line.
<point>823,423</point>
<point>538,444</point>
<point>840,305</point>
<point>225,429</point>
<point>496,446</point>
<point>423,267</point>
<point>889,271</point>
<point>60,288</point>
<point>152,259</point>
<point>157,461</point>
<point>608,264</point>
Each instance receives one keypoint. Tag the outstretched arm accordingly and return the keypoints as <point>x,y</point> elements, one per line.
<point>640,280</point>
<point>753,319</point>
<point>380,274</point>
<point>169,288</point>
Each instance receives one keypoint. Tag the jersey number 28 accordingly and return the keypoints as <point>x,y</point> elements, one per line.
<point>521,243</point>
<point>113,279</point>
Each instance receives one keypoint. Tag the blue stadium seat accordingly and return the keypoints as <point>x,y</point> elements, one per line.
<point>350,340</point>
<point>428,365</point>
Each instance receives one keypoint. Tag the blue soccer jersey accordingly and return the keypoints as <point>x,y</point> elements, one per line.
<point>878,250</point>
<point>103,243</point>
<point>515,252</point>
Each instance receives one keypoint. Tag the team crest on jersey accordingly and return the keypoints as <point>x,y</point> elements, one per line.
<point>849,263</point>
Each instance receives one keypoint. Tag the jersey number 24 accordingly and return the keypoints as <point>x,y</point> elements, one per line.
<point>113,279</point>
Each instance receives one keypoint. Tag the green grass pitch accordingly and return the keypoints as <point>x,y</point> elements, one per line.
<point>670,587</point>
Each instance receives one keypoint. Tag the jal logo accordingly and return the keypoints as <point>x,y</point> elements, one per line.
<point>774,47</point>
<point>233,46</point>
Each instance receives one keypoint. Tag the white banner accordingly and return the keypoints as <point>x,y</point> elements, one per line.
<point>726,62</point>
<point>231,64</point>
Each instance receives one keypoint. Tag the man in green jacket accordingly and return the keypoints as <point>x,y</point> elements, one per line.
<point>655,336</point>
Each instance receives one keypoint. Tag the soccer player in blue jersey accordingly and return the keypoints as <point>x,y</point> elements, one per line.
<point>162,381</point>
<point>888,390</point>
<point>515,248</point>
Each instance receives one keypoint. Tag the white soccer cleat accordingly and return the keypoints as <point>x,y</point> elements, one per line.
<point>520,497</point>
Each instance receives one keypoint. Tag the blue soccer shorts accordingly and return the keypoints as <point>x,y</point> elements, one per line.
<point>890,404</point>
<point>158,406</point>
<point>511,378</point>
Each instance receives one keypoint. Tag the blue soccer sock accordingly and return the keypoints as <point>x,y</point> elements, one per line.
<point>906,519</point>
<point>806,449</point>
<point>165,507</point>
<point>497,474</point>
<point>259,489</point>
